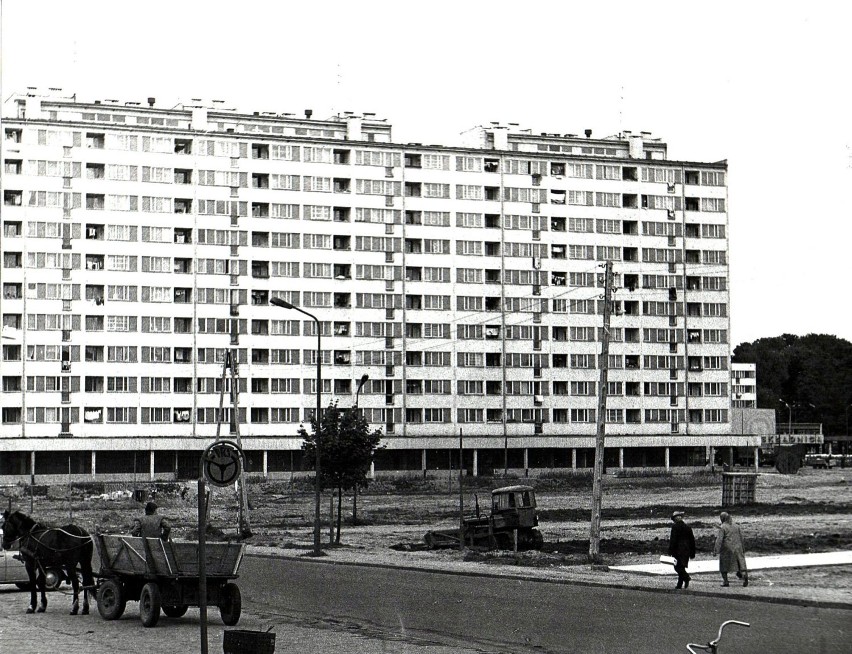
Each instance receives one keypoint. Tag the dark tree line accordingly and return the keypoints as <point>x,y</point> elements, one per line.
<point>812,373</point>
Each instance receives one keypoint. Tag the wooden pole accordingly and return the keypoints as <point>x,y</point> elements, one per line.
<point>70,508</point>
<point>461,489</point>
<point>597,484</point>
<point>244,524</point>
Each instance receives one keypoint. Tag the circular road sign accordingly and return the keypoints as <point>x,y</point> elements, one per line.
<point>222,463</point>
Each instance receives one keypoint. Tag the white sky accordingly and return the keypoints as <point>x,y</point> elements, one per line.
<point>764,85</point>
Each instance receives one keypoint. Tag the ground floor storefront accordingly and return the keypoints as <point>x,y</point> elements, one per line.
<point>137,464</point>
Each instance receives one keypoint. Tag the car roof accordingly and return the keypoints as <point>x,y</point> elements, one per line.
<point>511,489</point>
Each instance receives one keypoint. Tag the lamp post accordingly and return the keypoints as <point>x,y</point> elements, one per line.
<point>278,302</point>
<point>364,379</point>
<point>789,417</point>
<point>847,420</point>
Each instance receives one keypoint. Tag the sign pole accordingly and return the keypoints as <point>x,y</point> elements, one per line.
<point>221,465</point>
<point>202,560</point>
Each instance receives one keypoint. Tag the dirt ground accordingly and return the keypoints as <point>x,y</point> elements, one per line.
<point>807,512</point>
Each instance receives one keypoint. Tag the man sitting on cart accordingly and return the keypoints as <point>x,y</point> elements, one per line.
<point>151,525</point>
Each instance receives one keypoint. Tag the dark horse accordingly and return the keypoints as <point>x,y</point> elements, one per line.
<point>44,548</point>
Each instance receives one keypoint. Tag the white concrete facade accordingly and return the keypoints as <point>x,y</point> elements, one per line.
<point>141,243</point>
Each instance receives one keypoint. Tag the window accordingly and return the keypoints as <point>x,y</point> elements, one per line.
<point>468,164</point>
<point>95,201</point>
<point>259,151</point>
<point>435,190</point>
<point>95,141</point>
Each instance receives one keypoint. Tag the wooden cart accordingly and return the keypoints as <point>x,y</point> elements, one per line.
<point>164,575</point>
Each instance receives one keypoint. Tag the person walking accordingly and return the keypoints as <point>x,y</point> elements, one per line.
<point>151,525</point>
<point>682,548</point>
<point>730,549</point>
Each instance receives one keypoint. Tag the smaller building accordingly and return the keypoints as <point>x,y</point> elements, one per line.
<point>743,385</point>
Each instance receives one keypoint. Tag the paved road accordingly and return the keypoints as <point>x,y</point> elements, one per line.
<point>318,607</point>
<point>55,632</point>
<point>511,615</point>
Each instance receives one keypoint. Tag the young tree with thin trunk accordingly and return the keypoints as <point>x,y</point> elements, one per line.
<point>347,447</point>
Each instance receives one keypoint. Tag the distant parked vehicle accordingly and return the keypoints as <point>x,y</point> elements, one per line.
<point>12,570</point>
<point>820,461</point>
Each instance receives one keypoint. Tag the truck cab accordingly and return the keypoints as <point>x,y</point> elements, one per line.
<point>513,507</point>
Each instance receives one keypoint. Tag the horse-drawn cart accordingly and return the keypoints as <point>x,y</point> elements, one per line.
<point>164,575</point>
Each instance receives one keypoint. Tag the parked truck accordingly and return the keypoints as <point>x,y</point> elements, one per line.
<point>513,519</point>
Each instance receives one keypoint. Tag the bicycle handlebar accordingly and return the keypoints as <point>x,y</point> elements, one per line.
<point>713,644</point>
<point>722,627</point>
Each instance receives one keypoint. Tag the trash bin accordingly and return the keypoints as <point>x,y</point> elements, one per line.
<point>738,488</point>
<point>244,641</point>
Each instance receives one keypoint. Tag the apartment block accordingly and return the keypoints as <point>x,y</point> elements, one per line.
<point>142,246</point>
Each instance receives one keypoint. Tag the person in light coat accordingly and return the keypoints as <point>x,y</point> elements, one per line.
<point>730,549</point>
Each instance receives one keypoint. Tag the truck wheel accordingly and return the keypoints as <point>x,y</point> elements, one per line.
<point>175,611</point>
<point>149,604</point>
<point>111,600</point>
<point>231,605</point>
<point>537,540</point>
<point>504,541</point>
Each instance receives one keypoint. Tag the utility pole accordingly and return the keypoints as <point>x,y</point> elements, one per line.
<point>461,490</point>
<point>231,362</point>
<point>597,484</point>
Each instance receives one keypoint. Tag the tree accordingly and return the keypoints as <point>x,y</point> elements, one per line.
<point>811,373</point>
<point>346,451</point>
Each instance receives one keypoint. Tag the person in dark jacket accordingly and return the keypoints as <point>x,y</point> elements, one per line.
<point>682,548</point>
<point>151,525</point>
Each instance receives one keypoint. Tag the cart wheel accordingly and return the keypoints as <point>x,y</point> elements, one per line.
<point>175,611</point>
<point>149,604</point>
<point>232,604</point>
<point>111,600</point>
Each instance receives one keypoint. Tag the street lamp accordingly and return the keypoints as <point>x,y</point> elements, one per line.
<point>278,302</point>
<point>789,417</point>
<point>847,420</point>
<point>364,379</point>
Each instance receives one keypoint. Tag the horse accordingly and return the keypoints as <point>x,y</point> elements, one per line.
<point>52,549</point>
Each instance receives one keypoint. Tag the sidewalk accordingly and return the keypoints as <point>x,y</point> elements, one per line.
<point>754,563</point>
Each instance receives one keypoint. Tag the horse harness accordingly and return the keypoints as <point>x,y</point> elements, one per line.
<point>37,531</point>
